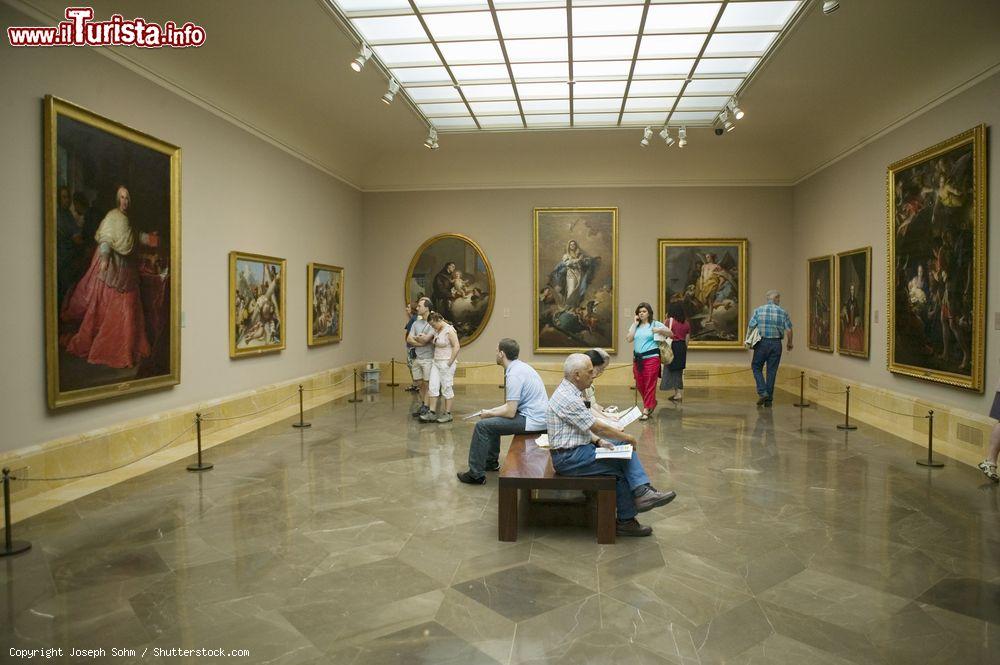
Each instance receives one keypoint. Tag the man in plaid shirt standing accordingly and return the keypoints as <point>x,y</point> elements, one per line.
<point>570,423</point>
<point>773,323</point>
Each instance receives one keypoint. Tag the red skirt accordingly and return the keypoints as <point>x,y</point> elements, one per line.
<point>646,372</point>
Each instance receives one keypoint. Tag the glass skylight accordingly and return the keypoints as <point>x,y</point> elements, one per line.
<point>517,64</point>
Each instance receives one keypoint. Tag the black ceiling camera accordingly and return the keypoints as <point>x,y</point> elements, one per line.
<point>719,131</point>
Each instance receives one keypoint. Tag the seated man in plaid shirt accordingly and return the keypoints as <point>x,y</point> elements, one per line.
<point>571,423</point>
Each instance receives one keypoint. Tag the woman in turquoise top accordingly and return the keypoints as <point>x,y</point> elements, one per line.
<point>645,355</point>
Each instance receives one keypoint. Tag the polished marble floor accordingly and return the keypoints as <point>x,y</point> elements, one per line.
<point>351,542</point>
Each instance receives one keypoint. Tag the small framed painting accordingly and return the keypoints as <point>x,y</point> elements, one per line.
<point>324,304</point>
<point>256,304</point>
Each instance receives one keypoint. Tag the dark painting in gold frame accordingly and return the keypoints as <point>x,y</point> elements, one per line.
<point>854,302</point>
<point>575,279</point>
<point>324,304</point>
<point>936,268</point>
<point>819,280</point>
<point>112,257</point>
<point>256,304</point>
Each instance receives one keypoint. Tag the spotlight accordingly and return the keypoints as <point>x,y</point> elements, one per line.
<point>359,62</point>
<point>682,137</point>
<point>727,124</point>
<point>667,138</point>
<point>734,106</point>
<point>830,6</point>
<point>646,135</point>
<point>431,141</point>
<point>391,92</point>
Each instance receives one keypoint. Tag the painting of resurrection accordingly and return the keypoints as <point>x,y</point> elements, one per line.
<point>708,276</point>
<point>256,304</point>
<point>819,278</point>
<point>112,257</point>
<point>324,304</point>
<point>452,270</point>
<point>937,262</point>
<point>576,289</point>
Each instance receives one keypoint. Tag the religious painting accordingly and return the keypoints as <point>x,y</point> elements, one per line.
<point>854,276</point>
<point>112,257</point>
<point>819,279</point>
<point>576,279</point>
<point>256,304</point>
<point>452,270</point>
<point>707,276</point>
<point>324,304</point>
<point>937,262</point>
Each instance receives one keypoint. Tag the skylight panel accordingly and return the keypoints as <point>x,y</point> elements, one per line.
<point>382,29</point>
<point>451,108</point>
<point>480,73</point>
<point>545,105</point>
<point>595,119</point>
<point>533,23</point>
<point>407,55</point>
<point>662,67</point>
<point>468,53</point>
<point>372,5</point>
<point>713,86</point>
<point>599,89</point>
<point>585,105</point>
<point>537,50</point>
<point>607,20</point>
<point>500,121</point>
<point>715,66</point>
<point>494,108</point>
<point>544,70</point>
<point>671,46</point>
<point>603,48</point>
<point>434,94</point>
<point>494,91</point>
<point>644,118</point>
<point>701,103</point>
<point>454,123</point>
<point>542,90</point>
<point>461,25</point>
<point>740,43</point>
<point>683,17</point>
<point>694,116</point>
<point>421,75</point>
<point>601,69</point>
<point>654,88</point>
<point>757,15</point>
<point>451,4</point>
<point>661,104</point>
<point>547,120</point>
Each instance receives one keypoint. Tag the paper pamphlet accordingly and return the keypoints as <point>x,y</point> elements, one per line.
<point>543,441</point>
<point>629,417</point>
<point>623,451</point>
<point>473,415</point>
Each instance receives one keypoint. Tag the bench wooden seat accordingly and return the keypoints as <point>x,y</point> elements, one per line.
<point>528,467</point>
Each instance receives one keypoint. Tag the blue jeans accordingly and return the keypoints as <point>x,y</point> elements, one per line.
<point>767,352</point>
<point>628,473</point>
<point>485,446</point>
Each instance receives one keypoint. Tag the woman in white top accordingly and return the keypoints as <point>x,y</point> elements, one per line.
<point>442,381</point>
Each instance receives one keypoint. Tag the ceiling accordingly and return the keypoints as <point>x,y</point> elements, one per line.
<point>281,70</point>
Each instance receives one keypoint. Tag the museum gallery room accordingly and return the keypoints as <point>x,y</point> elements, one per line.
<point>500,331</point>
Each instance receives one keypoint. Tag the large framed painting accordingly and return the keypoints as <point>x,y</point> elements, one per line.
<point>708,277</point>
<point>256,304</point>
<point>854,278</point>
<point>112,257</point>
<point>937,262</point>
<point>324,304</point>
<point>819,278</point>
<point>453,271</point>
<point>576,279</point>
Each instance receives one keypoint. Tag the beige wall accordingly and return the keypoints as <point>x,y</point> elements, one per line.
<point>237,193</point>
<point>395,224</point>
<point>844,207</point>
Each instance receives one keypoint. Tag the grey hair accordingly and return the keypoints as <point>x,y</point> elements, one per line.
<point>575,362</point>
<point>601,352</point>
<point>772,294</point>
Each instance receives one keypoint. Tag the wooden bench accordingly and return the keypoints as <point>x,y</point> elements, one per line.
<point>528,467</point>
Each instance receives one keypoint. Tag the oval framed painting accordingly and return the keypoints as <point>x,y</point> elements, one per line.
<point>453,271</point>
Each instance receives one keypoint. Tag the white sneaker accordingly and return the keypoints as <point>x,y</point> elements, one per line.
<point>989,470</point>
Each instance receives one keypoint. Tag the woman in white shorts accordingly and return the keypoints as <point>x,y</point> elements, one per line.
<point>989,465</point>
<point>442,381</point>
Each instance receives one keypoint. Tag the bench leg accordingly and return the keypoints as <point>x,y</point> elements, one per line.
<point>507,516</point>
<point>605,517</point>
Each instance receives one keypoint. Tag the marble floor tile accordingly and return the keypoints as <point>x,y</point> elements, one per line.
<point>522,592</point>
<point>974,598</point>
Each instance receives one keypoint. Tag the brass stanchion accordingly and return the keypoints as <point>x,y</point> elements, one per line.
<point>10,546</point>
<point>355,399</point>
<point>392,372</point>
<point>847,412</point>
<point>930,462</point>
<point>302,422</point>
<point>199,465</point>
<point>802,403</point>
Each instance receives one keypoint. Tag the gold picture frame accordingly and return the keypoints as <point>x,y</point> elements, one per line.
<point>330,306</point>
<point>102,165</point>
<point>936,269</point>
<point>575,311</point>
<point>820,303</point>
<point>680,278</point>
<point>469,308</point>
<point>252,305</point>
<point>854,322</point>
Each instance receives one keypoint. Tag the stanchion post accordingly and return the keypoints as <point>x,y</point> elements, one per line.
<point>199,465</point>
<point>847,412</point>
<point>802,403</point>
<point>10,546</point>
<point>392,373</point>
<point>930,461</point>
<point>503,386</point>
<point>355,399</point>
<point>302,423</point>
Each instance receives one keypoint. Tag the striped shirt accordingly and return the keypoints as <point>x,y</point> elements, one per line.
<point>568,420</point>
<point>771,320</point>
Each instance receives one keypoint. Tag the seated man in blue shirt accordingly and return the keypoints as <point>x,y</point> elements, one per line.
<point>524,411</point>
